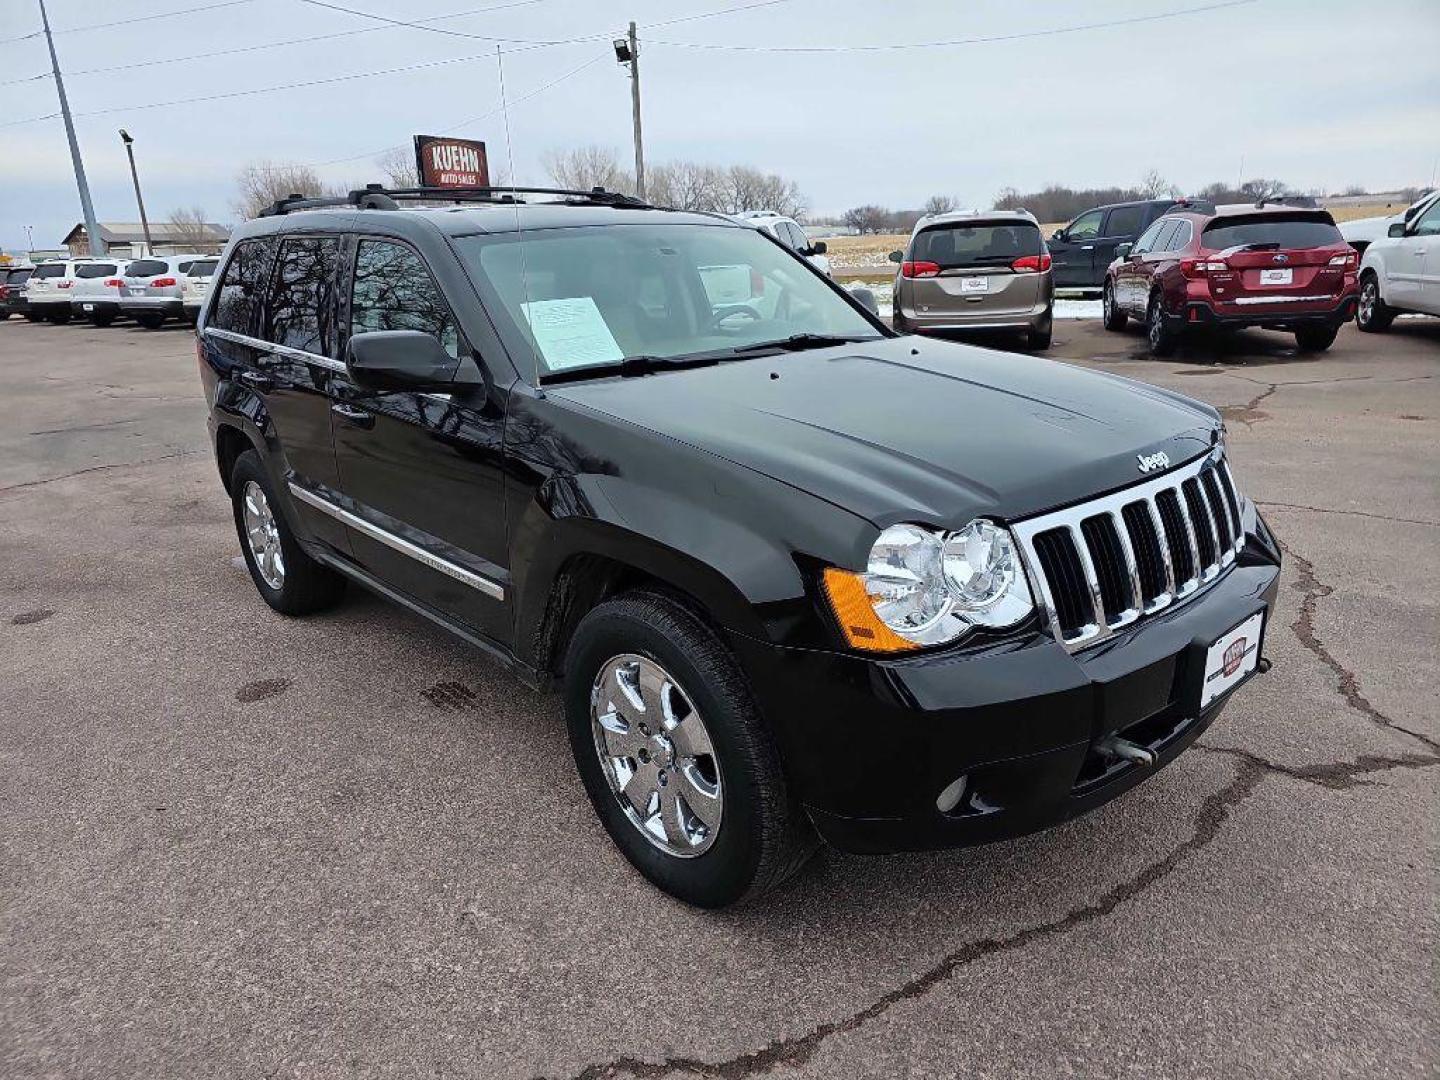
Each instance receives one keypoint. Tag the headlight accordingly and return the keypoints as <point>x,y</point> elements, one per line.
<point>923,587</point>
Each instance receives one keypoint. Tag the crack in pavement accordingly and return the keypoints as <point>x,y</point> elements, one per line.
<point>1312,591</point>
<point>1250,413</point>
<point>100,468</point>
<point>87,427</point>
<point>799,1049</point>
<point>1353,513</point>
<point>1336,775</point>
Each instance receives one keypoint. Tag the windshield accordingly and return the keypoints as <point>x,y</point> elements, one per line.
<point>975,243</point>
<point>601,295</point>
<point>1278,230</point>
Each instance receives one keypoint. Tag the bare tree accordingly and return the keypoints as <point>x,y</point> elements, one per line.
<point>398,166</point>
<point>585,167</point>
<point>939,204</point>
<point>1260,188</point>
<point>684,185</point>
<point>742,187</point>
<point>261,183</point>
<point>868,218</point>
<point>189,229</point>
<point>1153,186</point>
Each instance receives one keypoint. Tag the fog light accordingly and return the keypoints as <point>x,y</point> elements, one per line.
<point>950,798</point>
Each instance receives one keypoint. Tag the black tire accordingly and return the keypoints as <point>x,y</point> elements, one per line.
<point>763,835</point>
<point>1115,317</point>
<point>305,585</point>
<point>34,317</point>
<point>1315,338</point>
<point>4,315</point>
<point>1035,340</point>
<point>102,320</point>
<point>1163,337</point>
<point>1372,314</point>
<point>61,317</point>
<point>150,320</point>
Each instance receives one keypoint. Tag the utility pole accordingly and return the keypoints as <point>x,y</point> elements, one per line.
<point>627,51</point>
<point>135,177</point>
<point>92,231</point>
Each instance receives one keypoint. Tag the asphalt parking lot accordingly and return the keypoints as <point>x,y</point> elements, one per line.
<point>239,845</point>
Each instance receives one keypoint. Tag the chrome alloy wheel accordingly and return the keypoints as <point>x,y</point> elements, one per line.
<point>656,755</point>
<point>263,534</point>
<point>1107,304</point>
<point>1368,295</point>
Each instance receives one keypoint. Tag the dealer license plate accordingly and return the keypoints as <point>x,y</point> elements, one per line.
<point>1277,277</point>
<point>1231,659</point>
<point>974,284</point>
<point>88,307</point>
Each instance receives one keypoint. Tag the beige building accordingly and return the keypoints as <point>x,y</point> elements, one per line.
<point>127,240</point>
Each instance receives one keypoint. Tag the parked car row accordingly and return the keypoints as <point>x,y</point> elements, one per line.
<point>100,290</point>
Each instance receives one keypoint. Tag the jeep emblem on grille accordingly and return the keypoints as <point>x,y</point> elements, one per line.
<point>1151,462</point>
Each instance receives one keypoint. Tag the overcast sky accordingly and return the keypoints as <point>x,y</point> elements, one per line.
<point>1321,94</point>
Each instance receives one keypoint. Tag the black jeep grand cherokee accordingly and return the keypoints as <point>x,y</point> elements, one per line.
<point>794,574</point>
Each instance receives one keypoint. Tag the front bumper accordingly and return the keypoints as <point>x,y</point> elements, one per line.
<point>1278,316</point>
<point>869,744</point>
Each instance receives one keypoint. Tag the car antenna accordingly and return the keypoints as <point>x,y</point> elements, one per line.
<point>519,229</point>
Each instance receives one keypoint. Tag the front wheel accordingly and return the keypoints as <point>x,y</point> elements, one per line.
<point>1115,317</point>
<point>1316,338</point>
<point>674,755</point>
<point>1163,337</point>
<point>1373,316</point>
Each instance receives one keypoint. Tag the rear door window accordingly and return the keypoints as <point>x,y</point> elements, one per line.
<point>237,306</point>
<point>1125,221</point>
<point>146,268</point>
<point>94,270</point>
<point>301,309</point>
<point>394,291</point>
<point>1271,230</point>
<point>1181,237</point>
<point>976,243</point>
<point>1147,241</point>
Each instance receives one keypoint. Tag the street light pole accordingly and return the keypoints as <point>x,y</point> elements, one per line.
<point>627,51</point>
<point>135,178</point>
<point>92,231</point>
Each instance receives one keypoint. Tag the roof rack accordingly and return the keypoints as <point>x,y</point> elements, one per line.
<point>1192,205</point>
<point>1302,202</point>
<point>379,197</point>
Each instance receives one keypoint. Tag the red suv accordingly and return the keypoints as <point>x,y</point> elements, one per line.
<point>1274,265</point>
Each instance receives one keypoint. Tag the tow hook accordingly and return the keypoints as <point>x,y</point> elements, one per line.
<point>1113,746</point>
<point>1263,666</point>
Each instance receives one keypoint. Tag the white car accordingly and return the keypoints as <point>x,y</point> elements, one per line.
<point>152,289</point>
<point>1362,232</point>
<point>96,293</point>
<point>1401,272</point>
<point>48,291</point>
<point>195,285</point>
<point>789,233</point>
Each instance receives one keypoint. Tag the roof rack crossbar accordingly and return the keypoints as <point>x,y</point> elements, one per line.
<point>379,197</point>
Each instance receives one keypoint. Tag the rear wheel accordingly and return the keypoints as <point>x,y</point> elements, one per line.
<point>151,320</point>
<point>290,581</point>
<point>1315,338</point>
<point>675,756</point>
<point>102,318</point>
<point>1373,315</point>
<point>1040,338</point>
<point>4,315</point>
<point>34,316</point>
<point>1115,317</point>
<point>60,317</point>
<point>1163,337</point>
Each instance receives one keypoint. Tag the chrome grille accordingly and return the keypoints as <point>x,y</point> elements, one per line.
<point>1102,565</point>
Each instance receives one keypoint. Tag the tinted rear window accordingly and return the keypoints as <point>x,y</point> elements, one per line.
<point>146,268</point>
<point>89,270</point>
<point>965,244</point>
<point>242,287</point>
<point>17,276</point>
<point>50,270</point>
<point>203,268</point>
<point>1125,220</point>
<point>1280,230</point>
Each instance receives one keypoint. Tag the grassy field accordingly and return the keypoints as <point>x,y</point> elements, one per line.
<point>851,253</point>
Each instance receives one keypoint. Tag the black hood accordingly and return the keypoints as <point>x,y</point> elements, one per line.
<point>910,429</point>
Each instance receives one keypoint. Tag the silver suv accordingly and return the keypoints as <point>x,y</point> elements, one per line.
<point>976,270</point>
<point>152,289</point>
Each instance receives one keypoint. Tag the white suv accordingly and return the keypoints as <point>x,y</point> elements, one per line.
<point>48,291</point>
<point>96,292</point>
<point>195,285</point>
<point>789,233</point>
<point>1401,271</point>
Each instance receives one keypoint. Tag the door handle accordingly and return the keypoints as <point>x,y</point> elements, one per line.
<point>351,415</point>
<point>257,380</point>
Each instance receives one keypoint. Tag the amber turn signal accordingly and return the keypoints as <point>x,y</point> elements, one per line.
<point>856,615</point>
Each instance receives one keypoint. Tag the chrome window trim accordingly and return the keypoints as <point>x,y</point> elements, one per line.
<point>476,581</point>
<point>274,349</point>
<point>1100,627</point>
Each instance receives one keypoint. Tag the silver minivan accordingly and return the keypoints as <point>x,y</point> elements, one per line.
<point>976,271</point>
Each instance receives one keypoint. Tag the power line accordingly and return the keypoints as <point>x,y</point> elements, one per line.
<point>273,44</point>
<point>712,14</point>
<point>452,33</point>
<point>991,39</point>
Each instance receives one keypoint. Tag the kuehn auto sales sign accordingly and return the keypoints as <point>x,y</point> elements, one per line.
<point>445,162</point>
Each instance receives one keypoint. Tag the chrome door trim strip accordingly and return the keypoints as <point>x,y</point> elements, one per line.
<point>399,543</point>
<point>274,349</point>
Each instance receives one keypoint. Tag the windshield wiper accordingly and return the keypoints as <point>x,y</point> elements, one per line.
<point>646,364</point>
<point>799,342</point>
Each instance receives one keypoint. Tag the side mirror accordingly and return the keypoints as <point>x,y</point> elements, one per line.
<point>866,299</point>
<point>1122,251</point>
<point>1058,234</point>
<point>819,247</point>
<point>1397,229</point>
<point>896,256</point>
<point>399,360</point>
